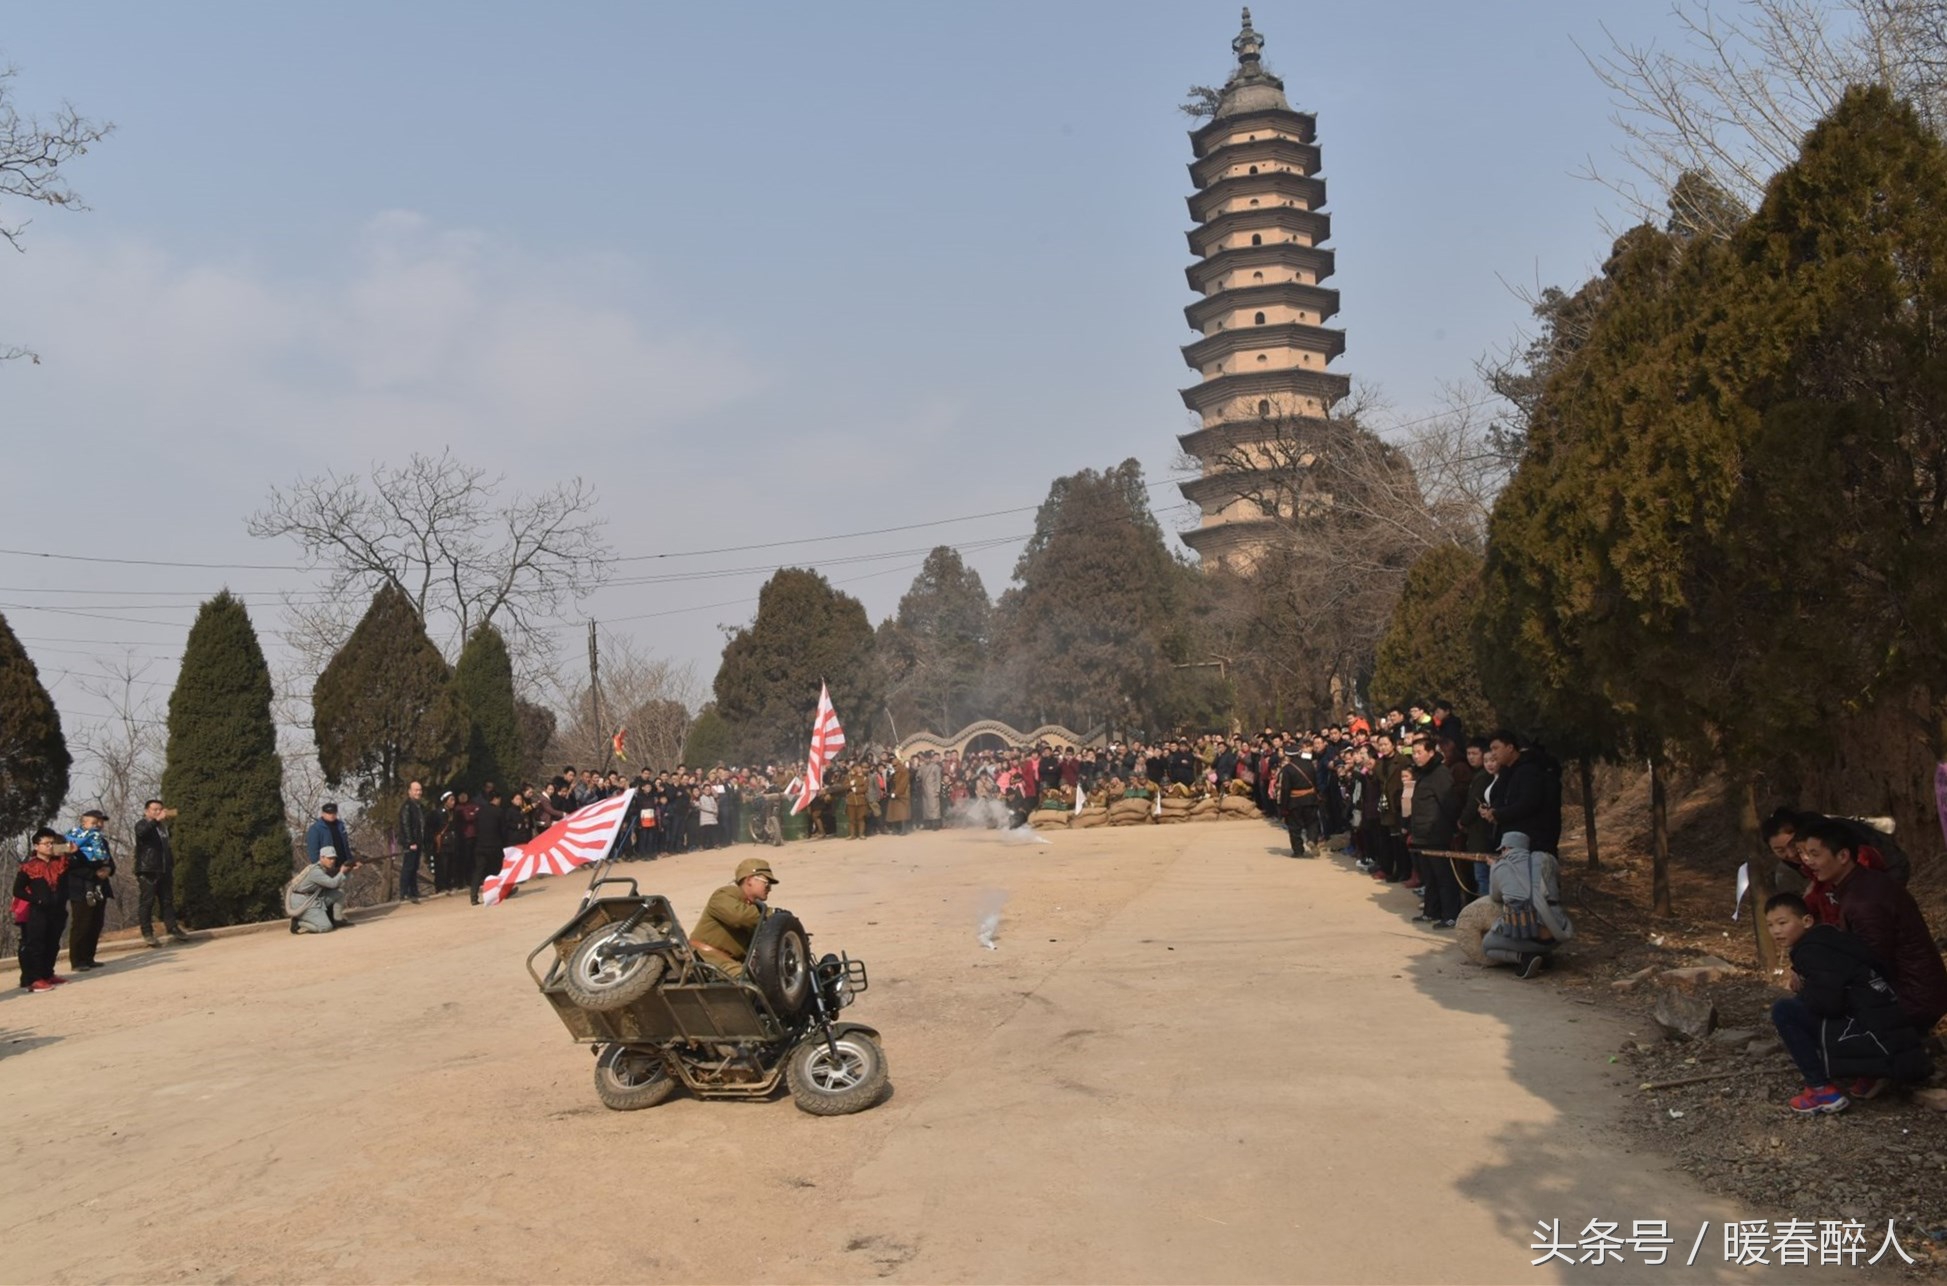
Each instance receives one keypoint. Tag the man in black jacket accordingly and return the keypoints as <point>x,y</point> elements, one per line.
<point>489,838</point>
<point>413,833</point>
<point>1844,1022</point>
<point>1430,827</point>
<point>1525,796</point>
<point>155,872</point>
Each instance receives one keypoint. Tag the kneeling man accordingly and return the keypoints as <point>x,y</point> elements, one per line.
<point>316,893</point>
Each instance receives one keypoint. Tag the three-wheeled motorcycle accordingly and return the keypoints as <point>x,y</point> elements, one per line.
<point>624,979</point>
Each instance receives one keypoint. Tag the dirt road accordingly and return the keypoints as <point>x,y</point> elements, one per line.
<point>1191,1059</point>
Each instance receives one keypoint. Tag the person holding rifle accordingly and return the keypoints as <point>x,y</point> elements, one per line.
<point>318,891</point>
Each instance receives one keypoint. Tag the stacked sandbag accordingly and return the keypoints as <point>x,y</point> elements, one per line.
<point>1093,815</point>
<point>1207,809</point>
<point>1129,812</point>
<point>1049,819</point>
<point>1236,806</point>
<point>1176,808</point>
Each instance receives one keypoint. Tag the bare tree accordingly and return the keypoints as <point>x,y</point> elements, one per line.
<point>1732,101</point>
<point>1348,510</point>
<point>32,152</point>
<point>120,758</point>
<point>652,698</point>
<point>444,534</point>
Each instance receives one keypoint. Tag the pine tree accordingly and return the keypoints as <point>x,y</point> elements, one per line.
<point>483,680</point>
<point>383,710</point>
<point>34,758</point>
<point>223,775</point>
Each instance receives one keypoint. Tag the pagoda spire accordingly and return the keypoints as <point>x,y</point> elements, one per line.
<point>1248,46</point>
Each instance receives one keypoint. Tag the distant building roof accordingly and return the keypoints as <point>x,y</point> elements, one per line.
<point>1250,88</point>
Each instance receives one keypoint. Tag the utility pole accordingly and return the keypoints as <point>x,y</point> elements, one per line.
<point>595,695</point>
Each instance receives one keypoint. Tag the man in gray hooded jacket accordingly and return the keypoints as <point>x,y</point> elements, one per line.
<point>1526,887</point>
<point>312,897</point>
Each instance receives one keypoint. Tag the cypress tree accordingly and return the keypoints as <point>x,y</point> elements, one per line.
<point>34,758</point>
<point>222,773</point>
<point>1421,657</point>
<point>383,710</point>
<point>483,680</point>
<point>767,685</point>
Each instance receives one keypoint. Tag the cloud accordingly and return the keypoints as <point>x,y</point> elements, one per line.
<point>406,336</point>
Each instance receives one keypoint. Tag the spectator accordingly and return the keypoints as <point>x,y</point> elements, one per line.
<point>326,835</point>
<point>489,840</point>
<point>1389,780</point>
<point>1437,801</point>
<point>708,810</point>
<point>1525,796</point>
<point>1527,886</point>
<point>453,855</point>
<point>89,871</point>
<point>1845,1020</point>
<point>40,909</point>
<point>413,835</point>
<point>155,872</point>
<point>1478,831</point>
<point>1873,905</point>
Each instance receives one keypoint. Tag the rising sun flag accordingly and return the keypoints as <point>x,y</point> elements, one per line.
<point>827,739</point>
<point>581,837</point>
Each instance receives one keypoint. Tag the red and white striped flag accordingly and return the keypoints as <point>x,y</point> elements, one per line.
<point>583,836</point>
<point>827,739</point>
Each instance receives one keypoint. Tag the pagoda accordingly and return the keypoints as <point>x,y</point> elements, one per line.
<point>1264,349</point>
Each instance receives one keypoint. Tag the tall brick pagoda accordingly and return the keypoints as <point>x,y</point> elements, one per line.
<point>1264,349</point>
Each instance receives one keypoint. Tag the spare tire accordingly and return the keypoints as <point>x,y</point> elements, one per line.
<point>596,981</point>
<point>779,963</point>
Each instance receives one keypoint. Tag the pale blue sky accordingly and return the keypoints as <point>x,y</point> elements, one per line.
<point>759,270</point>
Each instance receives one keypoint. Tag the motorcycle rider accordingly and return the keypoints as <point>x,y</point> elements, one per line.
<point>722,935</point>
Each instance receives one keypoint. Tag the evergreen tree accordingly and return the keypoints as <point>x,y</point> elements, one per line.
<point>1100,615</point>
<point>34,758</point>
<point>805,632</point>
<point>708,740</point>
<point>483,680</point>
<point>223,774</point>
<point>935,649</point>
<point>383,709</point>
<point>1425,654</point>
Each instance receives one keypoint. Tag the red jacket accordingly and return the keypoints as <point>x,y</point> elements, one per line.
<point>1874,905</point>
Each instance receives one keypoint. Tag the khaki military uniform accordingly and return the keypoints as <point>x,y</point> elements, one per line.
<point>856,803</point>
<point>727,924</point>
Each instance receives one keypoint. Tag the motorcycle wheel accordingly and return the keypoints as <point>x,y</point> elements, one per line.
<point>627,1080</point>
<point>595,982</point>
<point>824,1086</point>
<point>779,962</point>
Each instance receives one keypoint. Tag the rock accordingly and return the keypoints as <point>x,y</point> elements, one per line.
<point>1709,969</point>
<point>1933,1098</point>
<point>1634,980</point>
<point>1733,1035</point>
<point>1472,924</point>
<point>1765,1045</point>
<point>1683,1017</point>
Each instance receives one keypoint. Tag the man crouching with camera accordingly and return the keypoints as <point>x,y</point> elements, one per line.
<point>313,899</point>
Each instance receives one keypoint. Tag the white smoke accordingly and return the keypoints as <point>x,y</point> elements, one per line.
<point>990,813</point>
<point>990,918</point>
<point>1022,835</point>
